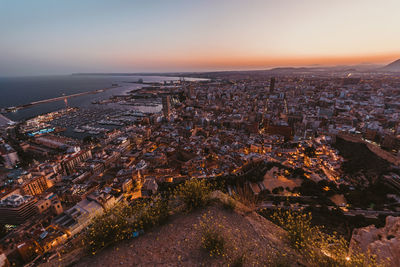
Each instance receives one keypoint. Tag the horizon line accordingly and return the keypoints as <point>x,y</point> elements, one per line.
<point>233,69</point>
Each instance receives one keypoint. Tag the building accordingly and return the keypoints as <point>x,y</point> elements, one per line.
<point>16,209</point>
<point>150,187</point>
<point>56,207</point>
<point>70,162</point>
<point>166,106</point>
<point>50,238</point>
<point>9,155</point>
<point>79,216</point>
<point>272,85</point>
<point>43,205</point>
<point>35,186</point>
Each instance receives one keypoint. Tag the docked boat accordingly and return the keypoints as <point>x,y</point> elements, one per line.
<point>77,130</point>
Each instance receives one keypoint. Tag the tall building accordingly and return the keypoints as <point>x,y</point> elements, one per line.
<point>16,209</point>
<point>191,92</point>
<point>272,85</point>
<point>166,106</point>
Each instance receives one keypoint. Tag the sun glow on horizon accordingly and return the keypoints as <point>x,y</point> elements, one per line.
<point>42,37</point>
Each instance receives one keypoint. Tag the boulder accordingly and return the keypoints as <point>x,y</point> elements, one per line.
<point>384,242</point>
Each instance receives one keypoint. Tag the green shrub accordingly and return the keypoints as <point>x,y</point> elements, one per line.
<point>122,220</point>
<point>297,225</point>
<point>109,228</point>
<point>151,214</point>
<point>212,238</point>
<point>213,242</point>
<point>316,247</point>
<point>194,193</point>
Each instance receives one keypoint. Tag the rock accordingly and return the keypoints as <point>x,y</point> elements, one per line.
<point>382,242</point>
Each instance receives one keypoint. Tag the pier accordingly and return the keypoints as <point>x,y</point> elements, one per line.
<point>60,98</point>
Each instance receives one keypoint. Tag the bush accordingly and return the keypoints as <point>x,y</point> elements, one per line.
<point>213,242</point>
<point>109,228</point>
<point>212,238</point>
<point>246,197</point>
<point>194,193</point>
<point>122,220</point>
<point>316,247</point>
<point>297,225</point>
<point>150,214</point>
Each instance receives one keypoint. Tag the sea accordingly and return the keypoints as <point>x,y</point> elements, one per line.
<point>23,90</point>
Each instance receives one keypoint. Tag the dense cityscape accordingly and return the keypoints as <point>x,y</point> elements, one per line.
<point>315,141</point>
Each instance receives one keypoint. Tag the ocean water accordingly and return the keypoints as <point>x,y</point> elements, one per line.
<point>24,90</point>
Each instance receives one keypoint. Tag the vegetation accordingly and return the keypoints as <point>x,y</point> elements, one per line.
<point>230,245</point>
<point>316,247</point>
<point>245,196</point>
<point>122,221</point>
<point>335,220</point>
<point>194,193</point>
<point>213,241</point>
<point>297,225</point>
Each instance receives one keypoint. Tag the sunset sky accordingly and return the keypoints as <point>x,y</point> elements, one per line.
<point>39,37</point>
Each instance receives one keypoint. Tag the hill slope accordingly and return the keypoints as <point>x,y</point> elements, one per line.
<point>178,243</point>
<point>394,66</point>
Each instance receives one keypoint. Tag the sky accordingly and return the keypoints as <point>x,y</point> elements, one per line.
<point>41,37</point>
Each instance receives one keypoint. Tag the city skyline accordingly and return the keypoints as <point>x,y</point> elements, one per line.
<point>41,37</point>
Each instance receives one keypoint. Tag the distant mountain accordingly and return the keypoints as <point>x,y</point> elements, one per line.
<point>364,67</point>
<point>394,66</point>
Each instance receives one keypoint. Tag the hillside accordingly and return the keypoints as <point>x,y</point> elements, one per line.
<point>394,66</point>
<point>177,243</point>
<point>218,232</point>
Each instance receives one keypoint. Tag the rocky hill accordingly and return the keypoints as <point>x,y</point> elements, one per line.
<point>249,237</point>
<point>225,232</point>
<point>382,242</point>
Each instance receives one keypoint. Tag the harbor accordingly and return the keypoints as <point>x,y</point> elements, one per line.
<point>54,99</point>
